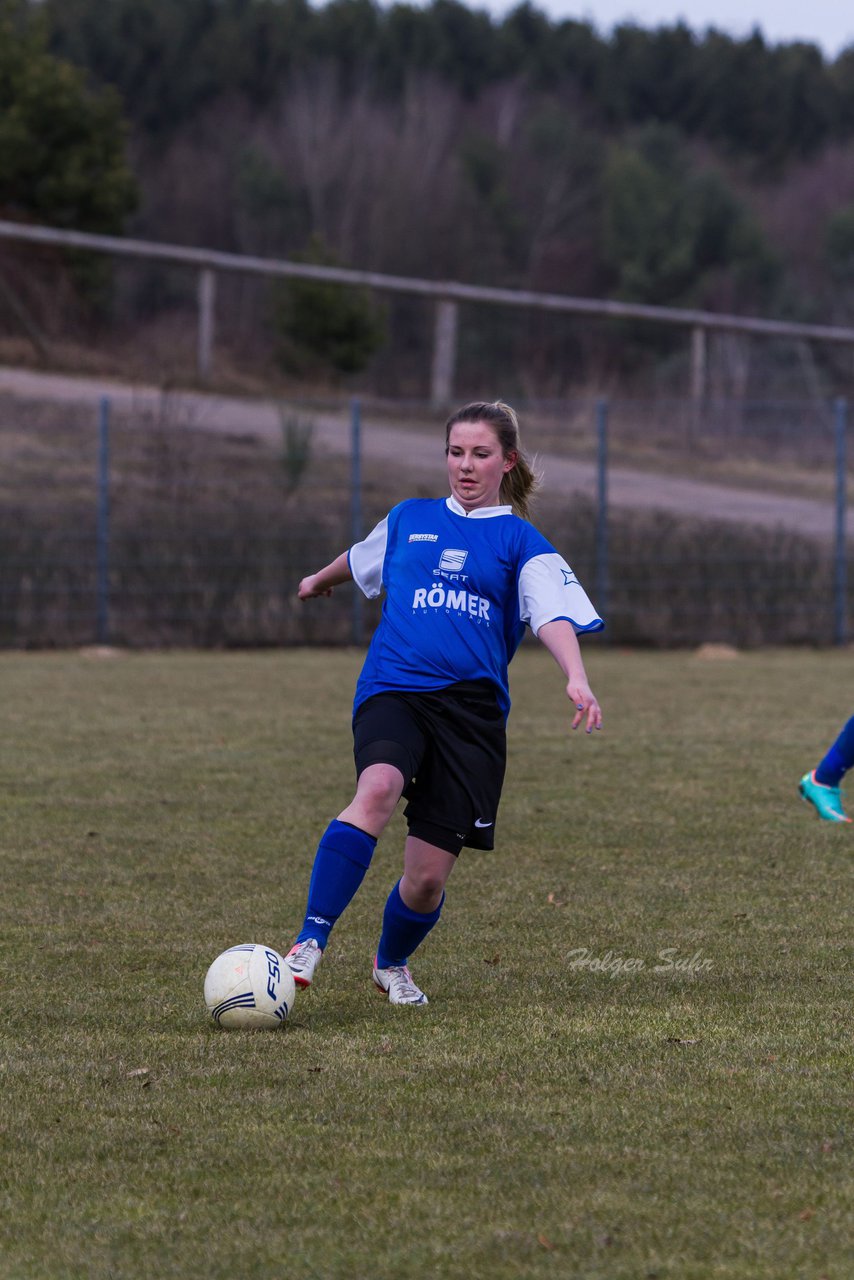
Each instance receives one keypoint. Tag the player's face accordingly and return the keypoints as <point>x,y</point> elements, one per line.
<point>476,464</point>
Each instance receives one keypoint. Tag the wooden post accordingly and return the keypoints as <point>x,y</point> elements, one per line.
<point>698,379</point>
<point>25,320</point>
<point>444,354</point>
<point>207,296</point>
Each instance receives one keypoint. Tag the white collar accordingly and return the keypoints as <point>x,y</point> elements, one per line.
<point>482,513</point>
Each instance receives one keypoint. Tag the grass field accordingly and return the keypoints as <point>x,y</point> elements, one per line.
<point>570,1104</point>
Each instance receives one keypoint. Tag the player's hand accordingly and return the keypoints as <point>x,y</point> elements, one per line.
<point>308,589</point>
<point>586,706</point>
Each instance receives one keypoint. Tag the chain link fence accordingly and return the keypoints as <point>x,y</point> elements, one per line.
<point>179,520</point>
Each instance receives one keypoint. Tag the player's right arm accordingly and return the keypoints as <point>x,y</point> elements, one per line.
<point>362,564</point>
<point>322,582</point>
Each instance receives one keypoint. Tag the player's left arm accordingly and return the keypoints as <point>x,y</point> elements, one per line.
<point>555,605</point>
<point>562,643</point>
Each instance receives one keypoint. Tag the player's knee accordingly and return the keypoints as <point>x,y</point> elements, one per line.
<point>379,790</point>
<point>425,885</point>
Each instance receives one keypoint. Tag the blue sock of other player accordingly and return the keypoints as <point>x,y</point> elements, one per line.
<point>403,929</point>
<point>343,856</point>
<point>839,758</point>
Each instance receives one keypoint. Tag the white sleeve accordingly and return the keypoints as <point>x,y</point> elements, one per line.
<point>549,590</point>
<point>366,560</point>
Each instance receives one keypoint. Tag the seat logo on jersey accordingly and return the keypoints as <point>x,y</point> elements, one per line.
<point>449,591</point>
<point>451,560</point>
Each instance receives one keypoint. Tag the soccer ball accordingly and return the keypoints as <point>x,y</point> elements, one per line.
<point>249,987</point>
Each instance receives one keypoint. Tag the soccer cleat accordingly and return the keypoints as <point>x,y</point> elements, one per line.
<point>302,960</point>
<point>826,800</point>
<point>396,982</point>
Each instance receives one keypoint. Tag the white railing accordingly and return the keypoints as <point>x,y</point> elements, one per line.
<point>447,293</point>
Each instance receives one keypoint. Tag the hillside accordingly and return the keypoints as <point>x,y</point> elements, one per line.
<point>654,166</point>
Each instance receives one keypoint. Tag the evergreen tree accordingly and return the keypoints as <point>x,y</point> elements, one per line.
<point>62,145</point>
<point>325,326</point>
<point>674,234</point>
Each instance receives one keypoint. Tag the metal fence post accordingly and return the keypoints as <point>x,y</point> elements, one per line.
<point>102,587</point>
<point>601,570</point>
<point>356,507</point>
<point>840,567</point>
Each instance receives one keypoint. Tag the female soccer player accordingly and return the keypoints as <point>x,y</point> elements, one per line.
<point>821,785</point>
<point>462,576</point>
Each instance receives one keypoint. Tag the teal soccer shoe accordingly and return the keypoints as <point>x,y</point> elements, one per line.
<point>826,801</point>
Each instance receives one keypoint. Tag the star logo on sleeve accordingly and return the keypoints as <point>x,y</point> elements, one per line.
<point>568,577</point>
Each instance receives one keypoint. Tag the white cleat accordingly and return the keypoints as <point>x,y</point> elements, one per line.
<point>302,960</point>
<point>396,983</point>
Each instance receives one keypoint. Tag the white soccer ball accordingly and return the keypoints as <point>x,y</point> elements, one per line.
<point>249,987</point>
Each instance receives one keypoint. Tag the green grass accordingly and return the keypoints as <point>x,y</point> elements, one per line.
<point>538,1118</point>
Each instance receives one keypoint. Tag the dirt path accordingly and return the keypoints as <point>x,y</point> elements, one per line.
<point>627,488</point>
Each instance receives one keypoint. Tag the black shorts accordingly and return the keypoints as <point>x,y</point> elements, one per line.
<point>451,747</point>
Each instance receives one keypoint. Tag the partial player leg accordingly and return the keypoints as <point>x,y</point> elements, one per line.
<point>411,911</point>
<point>839,758</point>
<point>821,785</point>
<point>342,859</point>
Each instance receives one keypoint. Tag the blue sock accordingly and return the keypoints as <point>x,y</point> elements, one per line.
<point>403,929</point>
<point>839,758</point>
<point>343,856</point>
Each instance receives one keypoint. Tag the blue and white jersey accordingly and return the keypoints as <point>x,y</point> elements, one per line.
<point>460,588</point>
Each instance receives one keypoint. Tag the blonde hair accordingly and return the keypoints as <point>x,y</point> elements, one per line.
<point>521,481</point>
